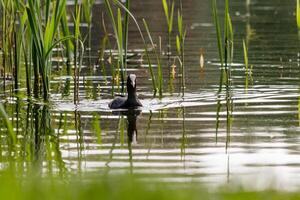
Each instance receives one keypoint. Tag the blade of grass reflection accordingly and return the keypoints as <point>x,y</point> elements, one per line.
<point>113,146</point>
<point>184,136</point>
<point>148,144</point>
<point>37,149</point>
<point>161,123</point>
<point>28,135</point>
<point>79,140</point>
<point>97,127</point>
<point>121,130</point>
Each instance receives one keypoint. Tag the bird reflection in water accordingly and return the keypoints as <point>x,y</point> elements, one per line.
<point>132,115</point>
<point>132,133</point>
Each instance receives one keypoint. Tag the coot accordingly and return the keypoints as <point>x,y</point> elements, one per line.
<point>131,101</point>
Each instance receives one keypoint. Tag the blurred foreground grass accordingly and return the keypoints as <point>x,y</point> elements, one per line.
<point>118,187</point>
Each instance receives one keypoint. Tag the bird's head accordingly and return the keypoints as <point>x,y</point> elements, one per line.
<point>131,82</point>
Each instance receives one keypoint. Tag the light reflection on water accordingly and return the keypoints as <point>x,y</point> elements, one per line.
<point>174,138</point>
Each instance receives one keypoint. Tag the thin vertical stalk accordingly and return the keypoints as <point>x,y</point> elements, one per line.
<point>126,30</point>
<point>160,76</point>
<point>16,62</point>
<point>298,14</point>
<point>117,28</point>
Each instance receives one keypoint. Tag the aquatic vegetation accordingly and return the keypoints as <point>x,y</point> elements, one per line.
<point>246,63</point>
<point>298,13</point>
<point>126,30</point>
<point>144,44</point>
<point>68,43</point>
<point>30,33</point>
<point>180,39</point>
<point>169,13</point>
<point>77,36</point>
<point>225,49</point>
<point>43,41</point>
<point>159,79</point>
<point>118,32</point>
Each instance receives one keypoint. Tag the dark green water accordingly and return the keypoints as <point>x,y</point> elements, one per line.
<point>175,139</point>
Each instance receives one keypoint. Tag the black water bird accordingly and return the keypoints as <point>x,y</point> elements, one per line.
<point>131,101</point>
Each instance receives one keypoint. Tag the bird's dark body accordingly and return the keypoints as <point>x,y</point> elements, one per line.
<point>131,101</point>
<point>123,102</point>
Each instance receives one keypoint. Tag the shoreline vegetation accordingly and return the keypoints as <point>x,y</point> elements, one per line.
<point>121,187</point>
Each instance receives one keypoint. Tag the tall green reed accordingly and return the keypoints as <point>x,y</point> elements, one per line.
<point>8,29</point>
<point>118,32</point>
<point>43,40</point>
<point>248,70</point>
<point>180,40</point>
<point>68,44</point>
<point>169,13</point>
<point>120,5</point>
<point>298,14</point>
<point>225,50</point>
<point>126,32</point>
<point>159,83</point>
<point>245,48</point>
<point>87,6</point>
<point>77,37</point>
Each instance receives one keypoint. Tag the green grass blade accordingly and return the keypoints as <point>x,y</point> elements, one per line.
<point>171,18</point>
<point>178,45</point>
<point>56,43</point>
<point>120,40</point>
<point>115,28</point>
<point>126,27</point>
<point>218,31</point>
<point>245,56</point>
<point>166,10</point>
<point>159,69</point>
<point>179,21</point>
<point>142,37</point>
<point>298,14</point>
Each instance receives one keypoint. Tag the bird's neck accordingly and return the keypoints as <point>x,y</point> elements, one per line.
<point>132,95</point>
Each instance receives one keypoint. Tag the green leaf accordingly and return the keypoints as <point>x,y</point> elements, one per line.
<point>218,30</point>
<point>245,56</point>
<point>298,14</point>
<point>179,21</point>
<point>178,45</point>
<point>171,18</point>
<point>166,10</point>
